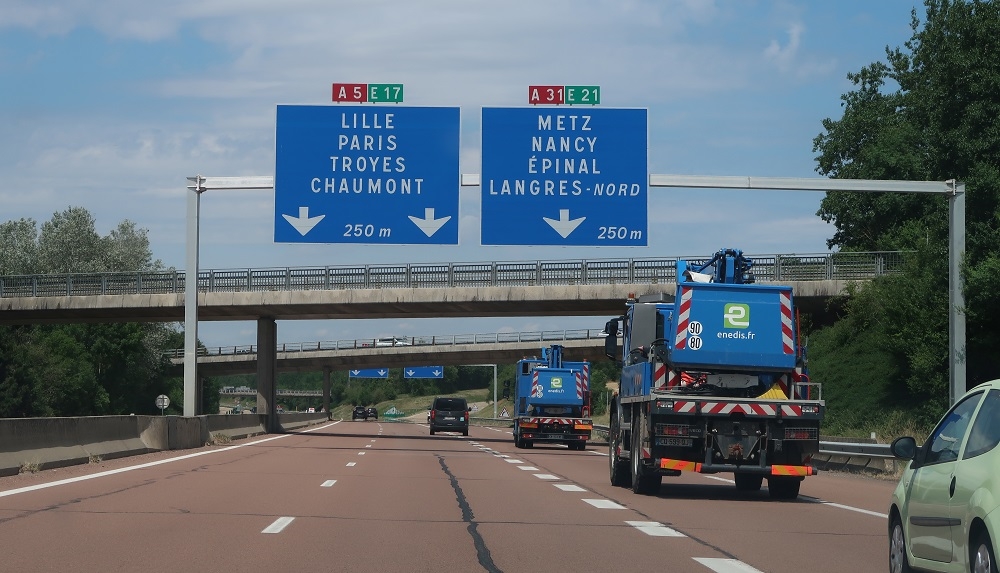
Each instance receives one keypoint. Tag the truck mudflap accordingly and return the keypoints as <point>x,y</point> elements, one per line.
<point>672,465</point>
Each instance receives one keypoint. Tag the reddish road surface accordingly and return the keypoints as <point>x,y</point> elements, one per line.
<point>375,496</point>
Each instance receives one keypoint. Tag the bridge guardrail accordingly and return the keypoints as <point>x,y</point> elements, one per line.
<point>541,337</point>
<point>767,268</point>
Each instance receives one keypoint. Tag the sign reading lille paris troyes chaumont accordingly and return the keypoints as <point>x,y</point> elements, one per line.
<point>564,176</point>
<point>366,174</point>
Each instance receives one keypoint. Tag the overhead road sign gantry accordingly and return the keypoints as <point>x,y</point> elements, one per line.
<point>366,174</point>
<point>560,176</point>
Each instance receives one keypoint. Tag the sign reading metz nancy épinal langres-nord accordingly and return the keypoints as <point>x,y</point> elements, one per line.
<point>366,174</point>
<point>564,176</point>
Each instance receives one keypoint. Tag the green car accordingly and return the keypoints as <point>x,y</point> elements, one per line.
<point>944,513</point>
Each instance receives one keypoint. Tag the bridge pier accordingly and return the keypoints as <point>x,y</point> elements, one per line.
<point>267,373</point>
<point>326,388</point>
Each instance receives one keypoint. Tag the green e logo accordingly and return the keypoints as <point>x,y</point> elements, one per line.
<point>736,315</point>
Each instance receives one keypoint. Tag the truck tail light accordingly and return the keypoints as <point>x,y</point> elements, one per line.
<point>673,430</point>
<point>801,433</point>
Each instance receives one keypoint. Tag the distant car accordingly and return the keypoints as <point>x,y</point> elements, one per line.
<point>373,413</point>
<point>311,410</point>
<point>359,413</point>
<point>451,414</point>
<point>943,515</point>
<point>391,341</point>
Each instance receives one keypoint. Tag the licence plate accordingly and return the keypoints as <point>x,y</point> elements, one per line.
<point>681,442</point>
<point>552,436</point>
<point>449,418</point>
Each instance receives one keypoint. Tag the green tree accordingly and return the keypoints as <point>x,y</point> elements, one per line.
<point>931,111</point>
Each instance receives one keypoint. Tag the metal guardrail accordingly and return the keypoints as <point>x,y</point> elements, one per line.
<point>766,268</point>
<point>543,337</point>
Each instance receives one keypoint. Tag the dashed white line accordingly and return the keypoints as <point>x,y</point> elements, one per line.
<point>361,453</point>
<point>546,476</point>
<point>848,508</point>
<point>568,487</point>
<point>368,445</point>
<point>604,504</point>
<point>528,468</point>
<point>328,483</point>
<point>722,479</point>
<point>655,529</point>
<point>351,464</point>
<point>278,525</point>
<point>513,461</point>
<point>726,565</point>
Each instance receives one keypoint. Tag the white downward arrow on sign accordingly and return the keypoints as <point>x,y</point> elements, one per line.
<point>564,226</point>
<point>303,223</point>
<point>429,225</point>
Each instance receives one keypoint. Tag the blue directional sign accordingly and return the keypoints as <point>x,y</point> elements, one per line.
<point>369,373</point>
<point>366,174</point>
<point>423,372</point>
<point>556,176</point>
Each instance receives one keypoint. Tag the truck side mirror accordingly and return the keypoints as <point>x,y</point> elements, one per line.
<point>611,338</point>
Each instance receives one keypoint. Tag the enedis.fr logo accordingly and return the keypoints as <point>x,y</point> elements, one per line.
<point>736,315</point>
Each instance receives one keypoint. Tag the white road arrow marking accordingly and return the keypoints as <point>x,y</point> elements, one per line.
<point>564,225</point>
<point>429,225</point>
<point>303,223</point>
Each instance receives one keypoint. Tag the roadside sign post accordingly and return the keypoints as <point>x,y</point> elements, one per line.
<point>162,401</point>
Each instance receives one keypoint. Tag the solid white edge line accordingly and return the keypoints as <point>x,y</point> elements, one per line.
<point>135,467</point>
<point>278,525</point>
<point>726,565</point>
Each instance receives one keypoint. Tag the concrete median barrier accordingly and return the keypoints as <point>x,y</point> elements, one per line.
<point>33,444</point>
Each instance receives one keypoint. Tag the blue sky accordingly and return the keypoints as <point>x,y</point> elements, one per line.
<point>109,105</point>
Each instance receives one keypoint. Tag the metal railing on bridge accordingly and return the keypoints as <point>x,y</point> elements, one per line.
<point>767,268</point>
<point>543,337</point>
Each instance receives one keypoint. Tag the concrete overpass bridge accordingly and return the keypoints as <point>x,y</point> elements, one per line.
<point>453,350</point>
<point>528,288</point>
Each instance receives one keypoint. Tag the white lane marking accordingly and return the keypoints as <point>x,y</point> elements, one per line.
<point>568,487</point>
<point>847,507</point>
<point>717,478</point>
<point>321,427</point>
<point>528,468</point>
<point>351,464</point>
<point>604,504</point>
<point>655,529</point>
<point>546,476</point>
<point>598,453</point>
<point>361,453</point>
<point>373,441</point>
<point>726,565</point>
<point>278,525</point>
<point>368,445</point>
<point>135,467</point>
<point>502,456</point>
<point>513,461</point>
<point>328,483</point>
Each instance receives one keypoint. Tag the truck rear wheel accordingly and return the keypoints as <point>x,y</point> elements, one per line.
<point>642,482</point>
<point>783,487</point>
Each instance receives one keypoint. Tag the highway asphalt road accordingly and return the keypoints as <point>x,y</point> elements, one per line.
<point>377,496</point>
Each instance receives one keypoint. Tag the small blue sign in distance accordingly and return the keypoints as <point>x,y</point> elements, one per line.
<point>558,176</point>
<point>369,373</point>
<point>423,372</point>
<point>366,174</point>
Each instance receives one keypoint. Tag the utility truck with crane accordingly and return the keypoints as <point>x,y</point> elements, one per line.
<point>552,401</point>
<point>713,382</point>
